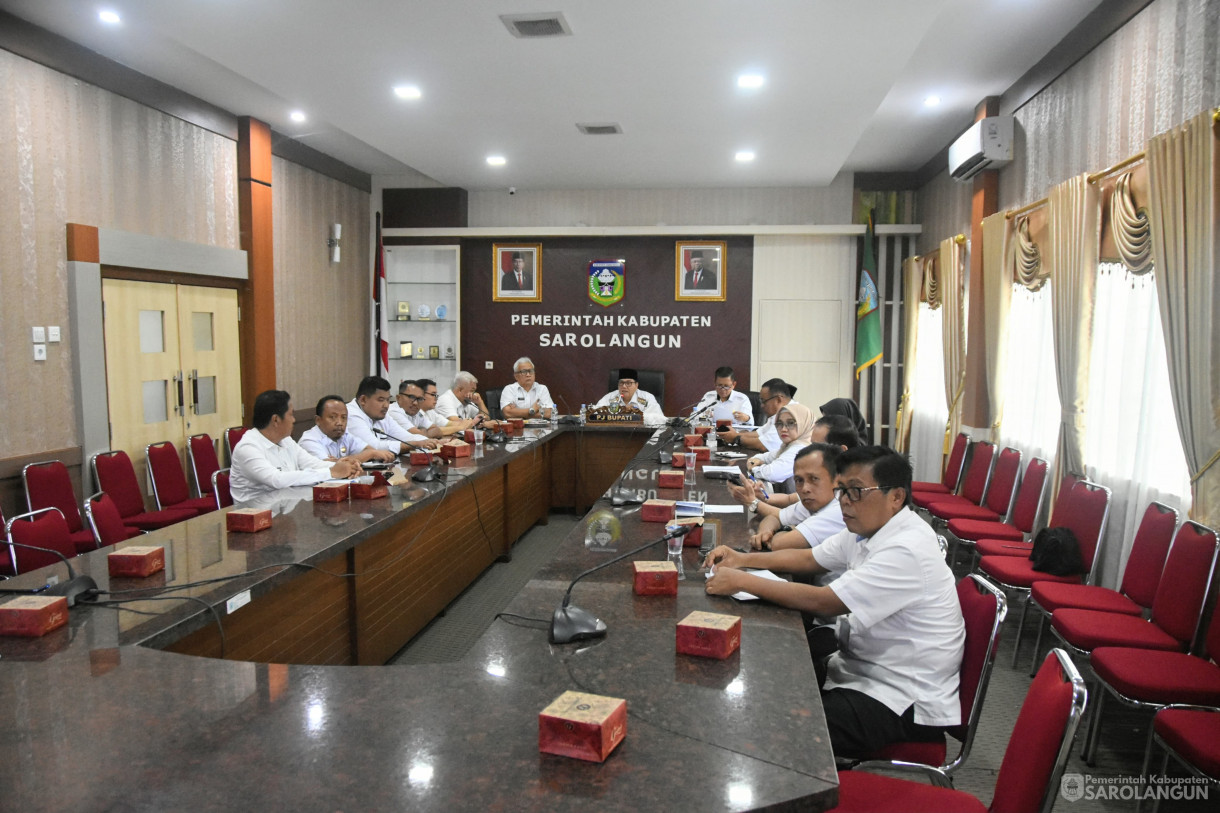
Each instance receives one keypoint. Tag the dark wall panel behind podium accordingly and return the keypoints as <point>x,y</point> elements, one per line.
<point>574,355</point>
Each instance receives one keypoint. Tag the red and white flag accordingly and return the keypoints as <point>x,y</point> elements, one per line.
<point>381,343</point>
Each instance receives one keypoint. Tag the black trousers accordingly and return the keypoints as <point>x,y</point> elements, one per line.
<point>859,725</point>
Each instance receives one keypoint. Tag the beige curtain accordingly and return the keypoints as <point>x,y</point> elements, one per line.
<point>1183,172</point>
<point>1071,252</point>
<point>997,296</point>
<point>912,286</point>
<point>952,279</point>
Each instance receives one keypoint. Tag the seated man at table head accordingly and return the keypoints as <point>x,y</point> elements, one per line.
<point>894,676</point>
<point>366,418</point>
<point>629,392</point>
<point>462,401</point>
<point>525,397</point>
<point>774,394</point>
<point>267,459</point>
<point>407,411</point>
<point>724,402</point>
<point>328,438</point>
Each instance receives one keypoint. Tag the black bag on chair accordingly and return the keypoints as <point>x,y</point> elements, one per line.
<point>1057,552</point>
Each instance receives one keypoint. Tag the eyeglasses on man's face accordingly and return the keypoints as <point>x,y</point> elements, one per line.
<point>767,400</point>
<point>526,371</point>
<point>856,493</point>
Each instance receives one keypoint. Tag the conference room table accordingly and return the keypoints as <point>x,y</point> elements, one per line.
<point>151,707</point>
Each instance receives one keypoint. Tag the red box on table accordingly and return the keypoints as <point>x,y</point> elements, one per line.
<point>655,578</point>
<point>670,478</point>
<point>251,520</point>
<point>709,635</point>
<point>330,492</point>
<point>469,435</point>
<point>679,459</point>
<point>702,453</point>
<point>584,726</point>
<point>723,423</point>
<point>518,426</point>
<point>702,430</point>
<point>33,616</point>
<point>690,441</point>
<point>657,510</point>
<point>138,560</point>
<point>455,449</point>
<point>695,538</point>
<point>371,491</point>
<point>420,458</point>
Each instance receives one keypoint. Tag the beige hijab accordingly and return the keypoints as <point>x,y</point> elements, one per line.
<point>804,423</point>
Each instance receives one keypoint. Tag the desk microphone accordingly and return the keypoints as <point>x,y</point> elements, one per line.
<point>72,589</point>
<point>570,624</point>
<point>410,443</point>
<point>620,496</point>
<point>678,420</point>
<point>569,418</point>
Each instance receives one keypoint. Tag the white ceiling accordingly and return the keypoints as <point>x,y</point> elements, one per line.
<point>845,83</point>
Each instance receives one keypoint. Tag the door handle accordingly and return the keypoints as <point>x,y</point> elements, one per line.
<point>195,391</point>
<point>179,409</point>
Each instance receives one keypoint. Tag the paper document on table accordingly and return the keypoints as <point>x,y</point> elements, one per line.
<point>723,509</point>
<point>721,470</point>
<point>762,574</point>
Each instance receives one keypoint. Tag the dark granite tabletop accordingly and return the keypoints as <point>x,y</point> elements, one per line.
<point>92,717</point>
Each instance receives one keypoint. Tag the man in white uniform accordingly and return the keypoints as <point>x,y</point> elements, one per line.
<point>267,459</point>
<point>525,397</point>
<point>328,438</point>
<point>725,403</point>
<point>774,395</point>
<point>629,392</point>
<point>462,401</point>
<point>814,515</point>
<point>407,411</point>
<point>900,634</point>
<point>366,418</point>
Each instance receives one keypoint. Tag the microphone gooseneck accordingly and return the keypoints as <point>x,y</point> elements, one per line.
<point>77,587</point>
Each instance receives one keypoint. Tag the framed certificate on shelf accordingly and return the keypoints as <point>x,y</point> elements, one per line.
<point>405,350</point>
<point>421,352</point>
<point>404,311</point>
<point>434,351</point>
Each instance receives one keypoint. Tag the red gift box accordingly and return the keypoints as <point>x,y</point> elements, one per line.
<point>695,538</point>
<point>690,441</point>
<point>455,449</point>
<point>518,426</point>
<point>669,478</point>
<point>723,423</point>
<point>584,726</point>
<point>137,560</point>
<point>251,520</point>
<point>33,616</point>
<point>330,492</point>
<point>702,453</point>
<point>420,458</point>
<point>702,430</point>
<point>370,491</point>
<point>679,459</point>
<point>709,635</point>
<point>655,578</point>
<point>657,510</point>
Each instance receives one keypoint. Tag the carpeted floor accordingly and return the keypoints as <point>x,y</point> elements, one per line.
<point>1123,735</point>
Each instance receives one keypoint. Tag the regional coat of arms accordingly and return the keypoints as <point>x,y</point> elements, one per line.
<point>606,281</point>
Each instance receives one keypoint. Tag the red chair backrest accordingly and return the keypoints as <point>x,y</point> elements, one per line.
<point>1148,551</point>
<point>1088,505</point>
<point>204,462</point>
<point>46,530</point>
<point>1039,744</point>
<point>1003,481</point>
<point>108,527</point>
<point>1185,581</point>
<point>232,435</point>
<point>957,455</point>
<point>979,472</point>
<point>47,485</point>
<point>1211,644</point>
<point>117,477</point>
<point>220,487</point>
<point>1029,495</point>
<point>1062,503</point>
<point>165,469</point>
<point>982,610</point>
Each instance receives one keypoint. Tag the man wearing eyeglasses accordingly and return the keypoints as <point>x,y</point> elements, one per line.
<point>900,633</point>
<point>629,392</point>
<point>725,403</point>
<point>525,397</point>
<point>774,394</point>
<point>407,411</point>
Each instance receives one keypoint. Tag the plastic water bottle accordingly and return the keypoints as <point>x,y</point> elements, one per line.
<point>583,410</point>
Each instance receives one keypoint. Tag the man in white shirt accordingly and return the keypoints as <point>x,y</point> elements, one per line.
<point>725,403</point>
<point>774,394</point>
<point>525,397</point>
<point>328,438</point>
<point>366,418</point>
<point>629,392</point>
<point>267,459</point>
<point>900,629</point>
<point>407,411</point>
<point>814,515</point>
<point>462,401</point>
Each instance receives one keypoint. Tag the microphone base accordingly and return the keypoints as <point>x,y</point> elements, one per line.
<point>624,496</point>
<point>666,456</point>
<point>570,624</point>
<point>73,588</point>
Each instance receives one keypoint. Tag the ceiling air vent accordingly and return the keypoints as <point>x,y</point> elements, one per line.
<point>532,26</point>
<point>599,129</point>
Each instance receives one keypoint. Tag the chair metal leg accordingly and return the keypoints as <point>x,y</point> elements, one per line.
<point>1016,646</point>
<point>1156,803</point>
<point>1033,666</point>
<point>1089,754</point>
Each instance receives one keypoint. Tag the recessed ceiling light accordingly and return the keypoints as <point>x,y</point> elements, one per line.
<point>108,16</point>
<point>407,92</point>
<point>297,116</point>
<point>497,160</point>
<point>750,81</point>
<point>931,101</point>
<point>744,156</point>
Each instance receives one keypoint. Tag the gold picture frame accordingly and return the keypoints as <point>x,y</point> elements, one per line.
<point>700,272</point>
<point>504,283</point>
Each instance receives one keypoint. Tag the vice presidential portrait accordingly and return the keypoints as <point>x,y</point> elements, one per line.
<point>518,272</point>
<point>699,271</point>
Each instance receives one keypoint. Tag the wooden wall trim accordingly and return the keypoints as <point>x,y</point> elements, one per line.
<point>83,244</point>
<point>12,466</point>
<point>257,300</point>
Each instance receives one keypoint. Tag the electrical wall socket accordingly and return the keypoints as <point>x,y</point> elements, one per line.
<point>40,335</point>
<point>488,365</point>
<point>40,352</point>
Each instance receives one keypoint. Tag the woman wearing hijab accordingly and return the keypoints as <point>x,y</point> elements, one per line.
<point>847,407</point>
<point>794,423</point>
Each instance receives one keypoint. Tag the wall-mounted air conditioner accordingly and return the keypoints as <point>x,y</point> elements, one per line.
<point>986,145</point>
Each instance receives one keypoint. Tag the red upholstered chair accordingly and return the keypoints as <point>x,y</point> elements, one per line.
<point>1000,491</point>
<point>105,521</point>
<point>1025,510</point>
<point>983,608</point>
<point>975,486</point>
<point>1153,678</point>
<point>1003,544</point>
<point>1085,510</point>
<point>232,435</point>
<point>169,481</point>
<point>44,528</point>
<point>201,454</point>
<point>1141,576</point>
<point>953,469</point>
<point>1033,762</point>
<point>220,488</point>
<point>1191,735</point>
<point>114,474</point>
<point>47,485</point>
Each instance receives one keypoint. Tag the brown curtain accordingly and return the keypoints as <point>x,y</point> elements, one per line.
<point>952,279</point>
<point>1183,174</point>
<point>912,287</point>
